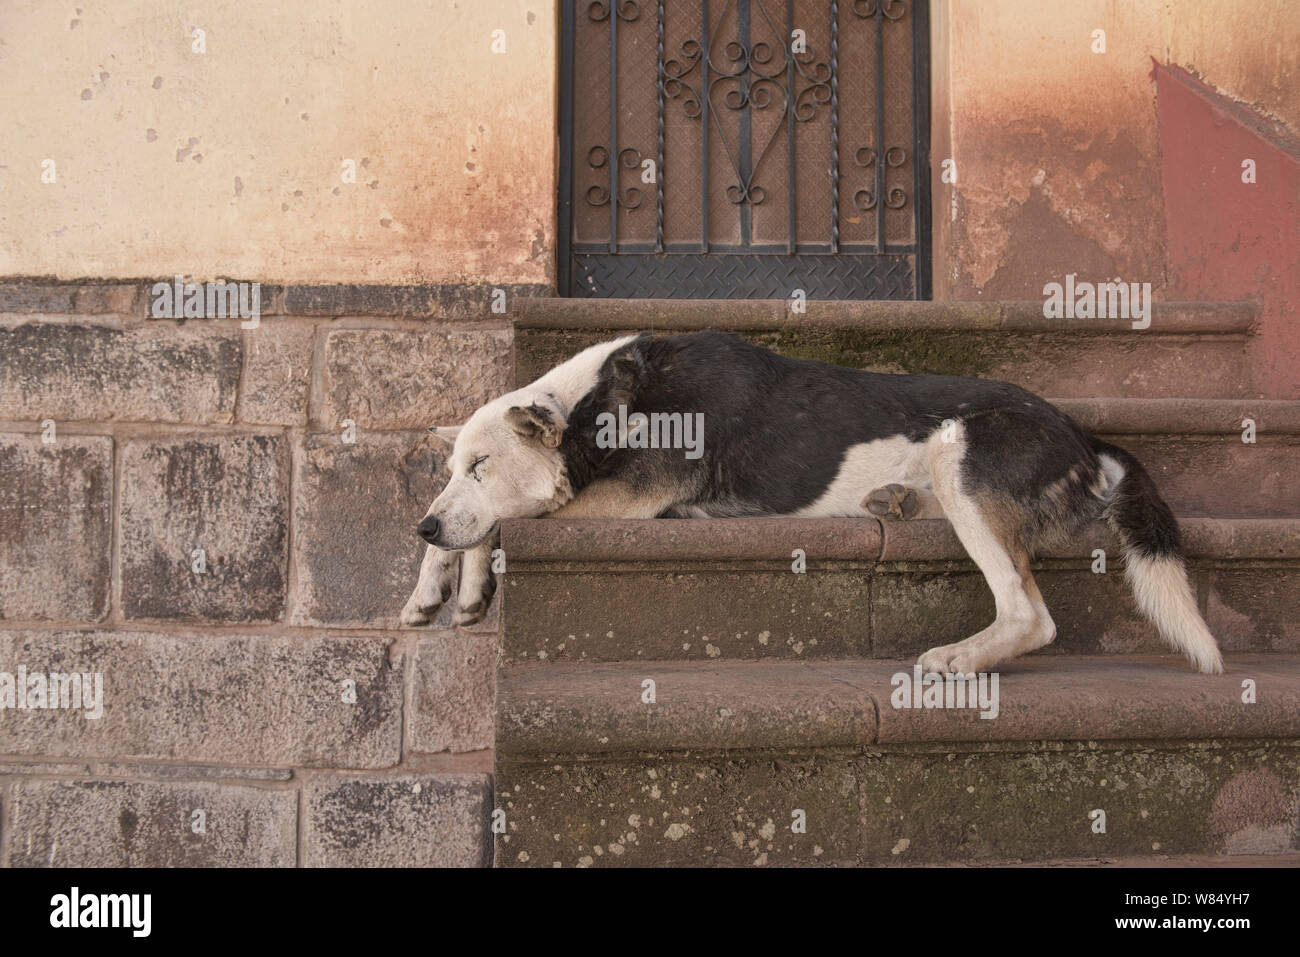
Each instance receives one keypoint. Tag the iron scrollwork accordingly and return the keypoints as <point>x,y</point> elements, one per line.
<point>895,198</point>
<point>761,83</point>
<point>890,9</point>
<point>628,158</point>
<point>627,10</point>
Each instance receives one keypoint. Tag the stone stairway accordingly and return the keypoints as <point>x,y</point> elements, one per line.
<point>726,691</point>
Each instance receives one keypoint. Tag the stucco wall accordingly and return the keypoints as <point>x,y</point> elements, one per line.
<point>229,162</point>
<point>1057,147</point>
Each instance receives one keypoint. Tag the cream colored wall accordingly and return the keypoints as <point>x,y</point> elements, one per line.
<point>229,162</point>
<point>1249,51</point>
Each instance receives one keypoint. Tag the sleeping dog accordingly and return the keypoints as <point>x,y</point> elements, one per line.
<point>792,437</point>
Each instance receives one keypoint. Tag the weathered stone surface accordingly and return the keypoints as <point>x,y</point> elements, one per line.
<point>151,824</point>
<point>166,372</point>
<point>635,315</point>
<point>1036,802</point>
<point>1062,364</point>
<point>10,766</point>
<point>27,296</point>
<point>455,687</point>
<point>1221,476</point>
<point>409,820</point>
<point>190,772</point>
<point>589,709</point>
<point>450,301</point>
<point>226,495</point>
<point>220,699</point>
<point>584,708</point>
<point>56,535</point>
<point>1183,415</point>
<point>626,315</point>
<point>277,374</point>
<point>1252,606</point>
<point>395,379</point>
<point>1094,698</point>
<point>357,506</point>
<point>681,811</point>
<point>700,539</point>
<point>900,805</point>
<point>666,611</point>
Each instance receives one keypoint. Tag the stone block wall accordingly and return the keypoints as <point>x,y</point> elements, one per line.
<point>218,523</point>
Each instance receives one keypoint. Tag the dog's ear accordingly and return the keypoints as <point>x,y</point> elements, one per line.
<point>537,421</point>
<point>627,372</point>
<point>447,433</point>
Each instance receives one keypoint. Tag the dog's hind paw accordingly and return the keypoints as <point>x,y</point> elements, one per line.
<point>893,501</point>
<point>958,659</point>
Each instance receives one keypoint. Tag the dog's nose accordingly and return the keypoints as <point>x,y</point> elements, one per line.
<point>429,529</point>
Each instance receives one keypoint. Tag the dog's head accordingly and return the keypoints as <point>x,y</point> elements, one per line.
<point>505,464</point>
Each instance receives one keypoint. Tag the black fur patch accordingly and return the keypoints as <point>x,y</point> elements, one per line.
<point>1145,523</point>
<point>777,429</point>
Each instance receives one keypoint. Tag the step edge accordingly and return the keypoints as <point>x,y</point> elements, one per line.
<point>867,539</point>
<point>1175,718</point>
<point>1234,317</point>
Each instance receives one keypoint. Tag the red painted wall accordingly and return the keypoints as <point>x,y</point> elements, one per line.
<point>1226,239</point>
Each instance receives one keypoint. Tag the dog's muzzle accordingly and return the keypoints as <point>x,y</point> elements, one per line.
<point>429,529</point>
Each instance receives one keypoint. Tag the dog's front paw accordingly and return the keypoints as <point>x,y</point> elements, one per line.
<point>415,615</point>
<point>419,610</point>
<point>471,615</point>
<point>473,607</point>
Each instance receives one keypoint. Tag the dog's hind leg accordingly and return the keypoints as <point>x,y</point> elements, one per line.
<point>988,530</point>
<point>433,588</point>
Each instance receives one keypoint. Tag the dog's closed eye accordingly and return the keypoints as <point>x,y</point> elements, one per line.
<point>474,467</point>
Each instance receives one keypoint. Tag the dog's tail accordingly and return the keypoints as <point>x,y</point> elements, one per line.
<point>1153,559</point>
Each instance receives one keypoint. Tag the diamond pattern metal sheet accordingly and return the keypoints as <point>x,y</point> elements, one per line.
<point>743,277</point>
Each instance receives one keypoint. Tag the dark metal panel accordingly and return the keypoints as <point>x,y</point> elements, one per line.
<point>564,218</point>
<point>921,165</point>
<point>744,276</point>
<point>837,124</point>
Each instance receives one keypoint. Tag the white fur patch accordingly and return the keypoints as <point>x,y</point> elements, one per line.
<point>868,466</point>
<point>1164,594</point>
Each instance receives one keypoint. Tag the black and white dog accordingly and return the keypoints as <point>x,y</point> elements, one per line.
<point>792,437</point>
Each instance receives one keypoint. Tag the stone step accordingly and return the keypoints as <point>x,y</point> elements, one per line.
<point>726,589</point>
<point>730,756</point>
<point>1201,454</point>
<point>1189,348</point>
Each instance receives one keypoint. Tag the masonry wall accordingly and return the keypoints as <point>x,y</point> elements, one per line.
<point>267,688</point>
